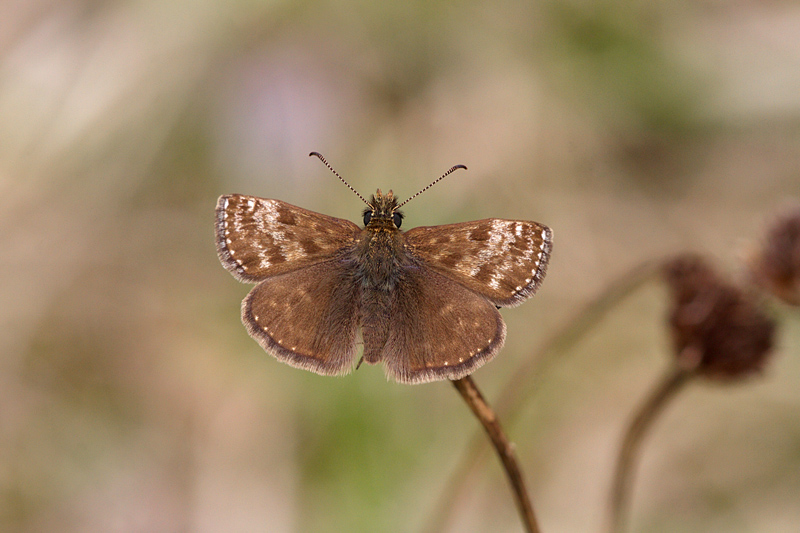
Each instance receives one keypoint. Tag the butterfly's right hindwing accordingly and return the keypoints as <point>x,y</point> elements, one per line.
<point>439,329</point>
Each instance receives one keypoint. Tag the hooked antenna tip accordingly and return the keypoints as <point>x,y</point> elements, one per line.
<point>321,158</point>
<point>452,169</point>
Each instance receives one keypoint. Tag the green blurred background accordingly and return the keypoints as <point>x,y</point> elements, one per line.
<point>131,397</point>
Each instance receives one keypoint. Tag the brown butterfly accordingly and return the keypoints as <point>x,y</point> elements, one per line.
<point>423,300</point>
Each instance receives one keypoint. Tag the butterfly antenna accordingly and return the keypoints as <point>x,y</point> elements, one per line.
<point>443,176</point>
<point>321,158</point>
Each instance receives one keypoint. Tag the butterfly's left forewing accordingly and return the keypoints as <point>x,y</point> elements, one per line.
<point>258,238</point>
<point>502,260</point>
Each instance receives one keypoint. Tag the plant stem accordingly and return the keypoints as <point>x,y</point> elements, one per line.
<point>505,449</point>
<point>526,379</point>
<point>669,385</point>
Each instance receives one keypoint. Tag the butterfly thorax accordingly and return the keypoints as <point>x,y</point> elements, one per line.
<point>380,252</point>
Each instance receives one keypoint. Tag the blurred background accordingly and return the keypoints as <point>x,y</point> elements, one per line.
<point>132,398</point>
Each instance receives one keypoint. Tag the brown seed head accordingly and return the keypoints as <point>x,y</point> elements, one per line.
<point>718,330</point>
<point>776,266</point>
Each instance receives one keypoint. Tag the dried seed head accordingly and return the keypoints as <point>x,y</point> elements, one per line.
<point>776,266</point>
<point>718,330</point>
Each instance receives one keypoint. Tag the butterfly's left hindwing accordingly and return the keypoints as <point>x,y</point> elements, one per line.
<point>307,318</point>
<point>258,238</point>
<point>503,260</point>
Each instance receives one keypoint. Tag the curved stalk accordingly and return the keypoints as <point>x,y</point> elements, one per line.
<point>525,380</point>
<point>505,449</point>
<point>666,389</point>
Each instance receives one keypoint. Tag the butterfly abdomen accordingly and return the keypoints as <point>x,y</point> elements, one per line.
<point>380,261</point>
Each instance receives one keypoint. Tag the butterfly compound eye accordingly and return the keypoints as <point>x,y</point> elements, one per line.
<point>397,218</point>
<point>367,217</point>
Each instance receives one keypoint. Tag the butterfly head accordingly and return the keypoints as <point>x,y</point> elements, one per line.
<point>382,213</point>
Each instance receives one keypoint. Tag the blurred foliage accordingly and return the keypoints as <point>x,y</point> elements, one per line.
<point>131,398</point>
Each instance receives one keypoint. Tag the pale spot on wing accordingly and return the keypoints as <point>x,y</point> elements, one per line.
<point>496,237</point>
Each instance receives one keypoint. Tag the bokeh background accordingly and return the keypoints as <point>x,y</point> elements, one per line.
<point>131,397</point>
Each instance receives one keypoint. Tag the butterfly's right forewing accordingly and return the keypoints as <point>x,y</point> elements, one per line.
<point>502,260</point>
<point>258,238</point>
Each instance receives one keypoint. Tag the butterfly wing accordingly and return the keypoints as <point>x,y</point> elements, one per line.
<point>307,318</point>
<point>439,329</point>
<point>503,260</point>
<point>258,238</point>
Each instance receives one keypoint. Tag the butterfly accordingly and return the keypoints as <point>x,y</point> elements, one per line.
<point>424,301</point>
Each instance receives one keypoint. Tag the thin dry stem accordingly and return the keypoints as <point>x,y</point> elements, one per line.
<point>525,380</point>
<point>666,389</point>
<point>505,449</point>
